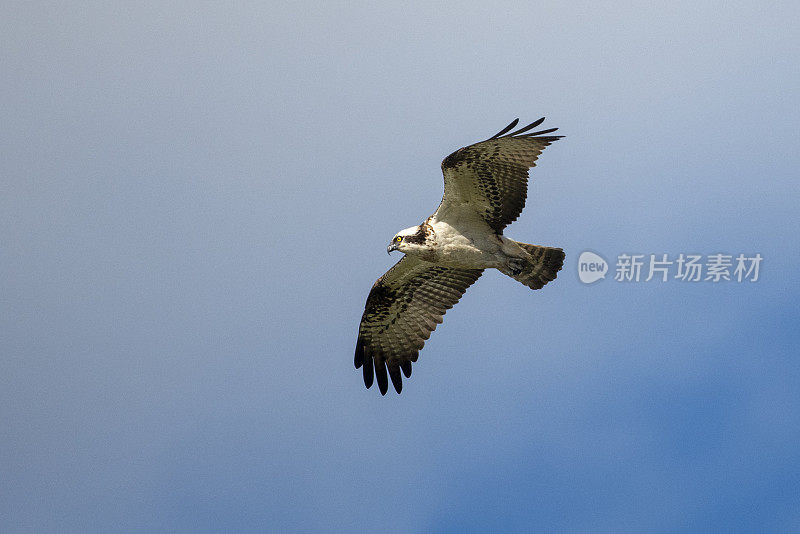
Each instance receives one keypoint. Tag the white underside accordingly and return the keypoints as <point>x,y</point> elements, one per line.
<point>472,244</point>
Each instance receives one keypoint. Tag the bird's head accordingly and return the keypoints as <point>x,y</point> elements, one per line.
<point>408,241</point>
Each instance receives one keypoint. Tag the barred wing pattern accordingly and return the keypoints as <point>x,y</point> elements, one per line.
<point>402,309</point>
<point>491,177</point>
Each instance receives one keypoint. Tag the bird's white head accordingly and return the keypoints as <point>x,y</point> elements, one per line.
<point>410,240</point>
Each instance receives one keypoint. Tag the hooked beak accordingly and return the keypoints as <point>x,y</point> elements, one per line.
<point>391,247</point>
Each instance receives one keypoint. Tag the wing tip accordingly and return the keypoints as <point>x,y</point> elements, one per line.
<point>540,132</point>
<point>397,380</point>
<point>368,371</point>
<point>377,369</point>
<point>381,376</point>
<point>520,133</point>
<point>358,359</point>
<point>524,129</point>
<point>506,129</point>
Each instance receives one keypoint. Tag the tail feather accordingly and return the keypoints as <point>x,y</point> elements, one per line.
<point>543,266</point>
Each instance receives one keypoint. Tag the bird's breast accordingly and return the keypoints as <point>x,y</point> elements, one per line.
<point>460,251</point>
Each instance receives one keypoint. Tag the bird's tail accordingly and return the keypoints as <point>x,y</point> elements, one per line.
<point>543,266</point>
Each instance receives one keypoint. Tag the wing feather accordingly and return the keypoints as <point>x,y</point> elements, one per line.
<point>531,126</point>
<point>402,309</point>
<point>490,178</point>
<point>506,129</point>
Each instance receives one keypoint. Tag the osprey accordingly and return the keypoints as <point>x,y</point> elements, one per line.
<point>485,187</point>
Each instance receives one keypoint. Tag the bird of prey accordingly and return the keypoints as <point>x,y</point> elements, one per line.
<point>485,186</point>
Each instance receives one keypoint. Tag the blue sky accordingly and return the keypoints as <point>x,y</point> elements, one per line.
<point>196,199</point>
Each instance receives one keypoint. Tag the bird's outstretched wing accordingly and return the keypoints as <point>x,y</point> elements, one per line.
<point>403,308</point>
<point>490,178</point>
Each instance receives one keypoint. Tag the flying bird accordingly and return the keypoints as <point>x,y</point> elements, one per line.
<point>485,187</point>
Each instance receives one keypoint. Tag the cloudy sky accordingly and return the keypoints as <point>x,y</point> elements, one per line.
<point>195,200</point>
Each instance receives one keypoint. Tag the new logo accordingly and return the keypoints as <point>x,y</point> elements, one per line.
<point>591,267</point>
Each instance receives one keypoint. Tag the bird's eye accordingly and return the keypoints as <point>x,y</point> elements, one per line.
<point>398,238</point>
